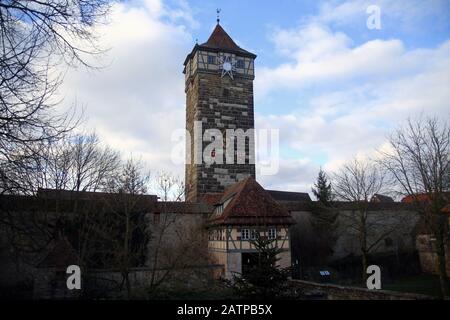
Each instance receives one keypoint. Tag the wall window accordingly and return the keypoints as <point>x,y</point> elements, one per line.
<point>245,234</point>
<point>211,59</point>
<point>254,234</point>
<point>240,64</point>
<point>272,233</point>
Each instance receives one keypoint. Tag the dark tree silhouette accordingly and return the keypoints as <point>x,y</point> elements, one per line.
<point>322,189</point>
<point>265,279</point>
<point>419,161</point>
<point>35,38</point>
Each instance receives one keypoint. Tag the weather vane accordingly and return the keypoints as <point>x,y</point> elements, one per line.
<point>218,15</point>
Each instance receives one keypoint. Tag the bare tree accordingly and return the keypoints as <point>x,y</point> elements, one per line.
<point>35,38</point>
<point>74,163</point>
<point>419,162</point>
<point>171,191</point>
<point>357,182</point>
<point>127,226</point>
<point>93,165</point>
<point>128,232</point>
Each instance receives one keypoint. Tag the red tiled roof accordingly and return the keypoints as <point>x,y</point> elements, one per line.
<point>422,197</point>
<point>210,198</point>
<point>219,40</point>
<point>446,209</point>
<point>250,204</point>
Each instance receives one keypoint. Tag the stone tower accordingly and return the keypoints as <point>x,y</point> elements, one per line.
<point>219,95</point>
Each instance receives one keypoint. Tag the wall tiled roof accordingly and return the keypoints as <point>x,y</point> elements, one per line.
<point>422,197</point>
<point>289,196</point>
<point>381,198</point>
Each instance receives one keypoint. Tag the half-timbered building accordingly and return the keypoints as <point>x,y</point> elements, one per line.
<point>244,213</point>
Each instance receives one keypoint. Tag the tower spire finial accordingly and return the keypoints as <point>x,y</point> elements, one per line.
<point>218,15</point>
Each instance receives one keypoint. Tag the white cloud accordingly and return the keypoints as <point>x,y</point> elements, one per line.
<point>319,56</point>
<point>353,94</point>
<point>137,100</point>
<point>360,91</point>
<point>293,175</point>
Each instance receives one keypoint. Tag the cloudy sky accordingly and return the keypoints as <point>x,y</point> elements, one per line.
<point>333,87</point>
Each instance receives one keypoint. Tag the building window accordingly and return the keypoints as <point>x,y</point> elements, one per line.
<point>211,60</point>
<point>272,234</point>
<point>240,64</point>
<point>245,234</point>
<point>254,234</point>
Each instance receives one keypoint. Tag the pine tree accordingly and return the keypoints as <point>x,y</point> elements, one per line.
<point>324,219</point>
<point>265,279</point>
<point>322,189</point>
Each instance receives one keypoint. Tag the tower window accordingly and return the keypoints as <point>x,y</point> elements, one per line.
<point>240,64</point>
<point>211,60</point>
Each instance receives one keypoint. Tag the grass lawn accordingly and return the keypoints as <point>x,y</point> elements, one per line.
<point>423,284</point>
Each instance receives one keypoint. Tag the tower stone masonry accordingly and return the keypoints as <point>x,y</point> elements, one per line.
<point>219,94</point>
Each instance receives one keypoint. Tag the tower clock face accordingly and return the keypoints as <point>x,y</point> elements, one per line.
<point>227,66</point>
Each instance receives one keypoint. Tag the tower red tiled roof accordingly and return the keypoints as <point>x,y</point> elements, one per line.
<point>219,40</point>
